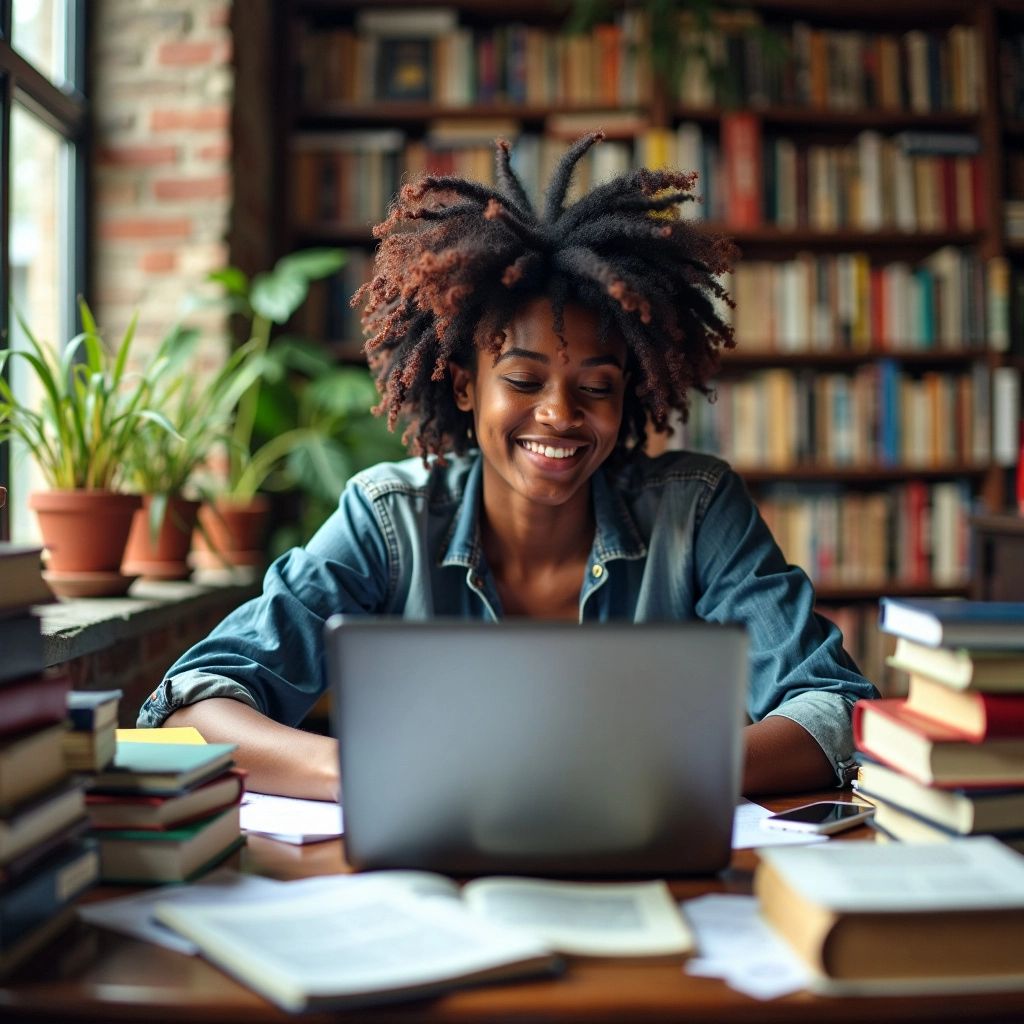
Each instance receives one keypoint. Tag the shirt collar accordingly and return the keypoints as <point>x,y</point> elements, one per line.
<point>616,535</point>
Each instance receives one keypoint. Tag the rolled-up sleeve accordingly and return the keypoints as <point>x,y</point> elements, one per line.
<point>269,652</point>
<point>798,666</point>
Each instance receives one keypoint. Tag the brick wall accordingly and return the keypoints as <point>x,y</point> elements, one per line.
<point>162,91</point>
<point>136,664</point>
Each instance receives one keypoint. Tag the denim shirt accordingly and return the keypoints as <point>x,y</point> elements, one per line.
<point>677,537</point>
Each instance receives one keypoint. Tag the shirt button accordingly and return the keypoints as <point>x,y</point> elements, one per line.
<point>597,571</point>
<point>478,581</point>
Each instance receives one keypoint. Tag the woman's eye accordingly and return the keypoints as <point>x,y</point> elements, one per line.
<point>600,390</point>
<point>522,383</point>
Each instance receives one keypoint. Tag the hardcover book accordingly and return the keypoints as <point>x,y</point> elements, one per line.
<point>976,716</point>
<point>147,857</point>
<point>962,668</point>
<point>953,622</point>
<point>961,810</point>
<point>163,767</point>
<point>861,913</point>
<point>931,752</point>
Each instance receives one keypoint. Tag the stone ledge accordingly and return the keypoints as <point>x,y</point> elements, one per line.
<point>74,628</point>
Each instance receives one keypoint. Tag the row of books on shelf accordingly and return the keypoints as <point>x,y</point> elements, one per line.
<point>949,301</point>
<point>426,55</point>
<point>911,182</point>
<point>878,415</point>
<point>907,182</point>
<point>914,534</point>
<point>947,759</point>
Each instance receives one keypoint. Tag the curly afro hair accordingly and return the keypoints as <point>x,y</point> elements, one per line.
<point>457,259</point>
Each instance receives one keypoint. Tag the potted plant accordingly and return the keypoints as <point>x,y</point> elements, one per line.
<point>90,411</point>
<point>163,467</point>
<point>234,522</point>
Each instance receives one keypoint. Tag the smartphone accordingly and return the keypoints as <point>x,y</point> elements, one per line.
<point>821,818</point>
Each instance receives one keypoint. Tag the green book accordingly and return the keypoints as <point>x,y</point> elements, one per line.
<point>163,767</point>
<point>138,856</point>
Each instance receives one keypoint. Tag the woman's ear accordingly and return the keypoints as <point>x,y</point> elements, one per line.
<point>462,386</point>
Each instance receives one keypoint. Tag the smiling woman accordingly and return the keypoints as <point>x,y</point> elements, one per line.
<point>528,353</point>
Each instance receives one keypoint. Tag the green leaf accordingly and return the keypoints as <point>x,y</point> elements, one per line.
<point>320,466</point>
<point>233,280</point>
<point>276,296</point>
<point>311,264</point>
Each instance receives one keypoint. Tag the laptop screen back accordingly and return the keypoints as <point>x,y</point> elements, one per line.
<point>538,747</point>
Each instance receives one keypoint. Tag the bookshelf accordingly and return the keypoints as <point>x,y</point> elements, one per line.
<point>870,404</point>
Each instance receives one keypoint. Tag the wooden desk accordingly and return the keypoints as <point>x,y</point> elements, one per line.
<point>98,976</point>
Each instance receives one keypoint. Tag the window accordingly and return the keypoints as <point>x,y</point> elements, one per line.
<point>42,161</point>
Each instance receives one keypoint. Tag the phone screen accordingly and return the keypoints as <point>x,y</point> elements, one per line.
<point>822,814</point>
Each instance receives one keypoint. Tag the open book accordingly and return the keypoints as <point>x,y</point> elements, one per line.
<point>347,940</point>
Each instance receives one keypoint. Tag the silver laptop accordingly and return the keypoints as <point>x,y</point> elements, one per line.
<point>538,747</point>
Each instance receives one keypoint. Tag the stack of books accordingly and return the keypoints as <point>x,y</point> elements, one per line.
<point>948,759</point>
<point>91,739</point>
<point>165,812</point>
<point>45,862</point>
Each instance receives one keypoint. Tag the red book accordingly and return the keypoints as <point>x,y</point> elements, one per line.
<point>161,813</point>
<point>741,155</point>
<point>975,716</point>
<point>32,702</point>
<point>932,753</point>
<point>979,193</point>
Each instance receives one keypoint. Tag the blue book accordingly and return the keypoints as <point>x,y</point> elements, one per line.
<point>89,710</point>
<point>55,883</point>
<point>163,767</point>
<point>954,622</point>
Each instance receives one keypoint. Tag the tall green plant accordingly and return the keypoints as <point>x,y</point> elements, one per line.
<point>92,406</point>
<point>304,425</point>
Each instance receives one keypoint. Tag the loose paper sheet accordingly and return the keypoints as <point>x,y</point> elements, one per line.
<point>132,915</point>
<point>290,820</point>
<point>735,944</point>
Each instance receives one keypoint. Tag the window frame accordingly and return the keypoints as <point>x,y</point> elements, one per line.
<point>65,110</point>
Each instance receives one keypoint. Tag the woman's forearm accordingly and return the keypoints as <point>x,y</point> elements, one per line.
<point>278,758</point>
<point>781,756</point>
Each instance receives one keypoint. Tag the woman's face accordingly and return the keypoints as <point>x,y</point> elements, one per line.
<point>545,419</point>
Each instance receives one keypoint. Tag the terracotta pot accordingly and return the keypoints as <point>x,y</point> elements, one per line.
<point>167,557</point>
<point>85,533</point>
<point>237,532</point>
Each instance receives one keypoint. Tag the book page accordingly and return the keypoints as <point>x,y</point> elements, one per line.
<point>964,874</point>
<point>334,944</point>
<point>585,918</point>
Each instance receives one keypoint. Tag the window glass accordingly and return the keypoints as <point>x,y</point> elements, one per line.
<point>38,243</point>
<point>38,30</point>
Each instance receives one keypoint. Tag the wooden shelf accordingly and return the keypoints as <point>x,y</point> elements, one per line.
<point>836,593</point>
<point>828,119</point>
<point>743,359</point>
<point>383,112</point>
<point>344,115</point>
<point>839,240</point>
<point>858,474</point>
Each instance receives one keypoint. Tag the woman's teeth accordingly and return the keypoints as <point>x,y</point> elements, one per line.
<point>551,453</point>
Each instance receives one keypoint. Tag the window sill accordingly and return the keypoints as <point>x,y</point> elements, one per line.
<point>83,626</point>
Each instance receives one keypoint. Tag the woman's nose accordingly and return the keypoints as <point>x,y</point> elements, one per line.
<point>559,409</point>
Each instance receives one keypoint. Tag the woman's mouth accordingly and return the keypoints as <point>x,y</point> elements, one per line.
<point>548,450</point>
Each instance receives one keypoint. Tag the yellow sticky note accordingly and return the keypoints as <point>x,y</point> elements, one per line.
<point>175,734</point>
